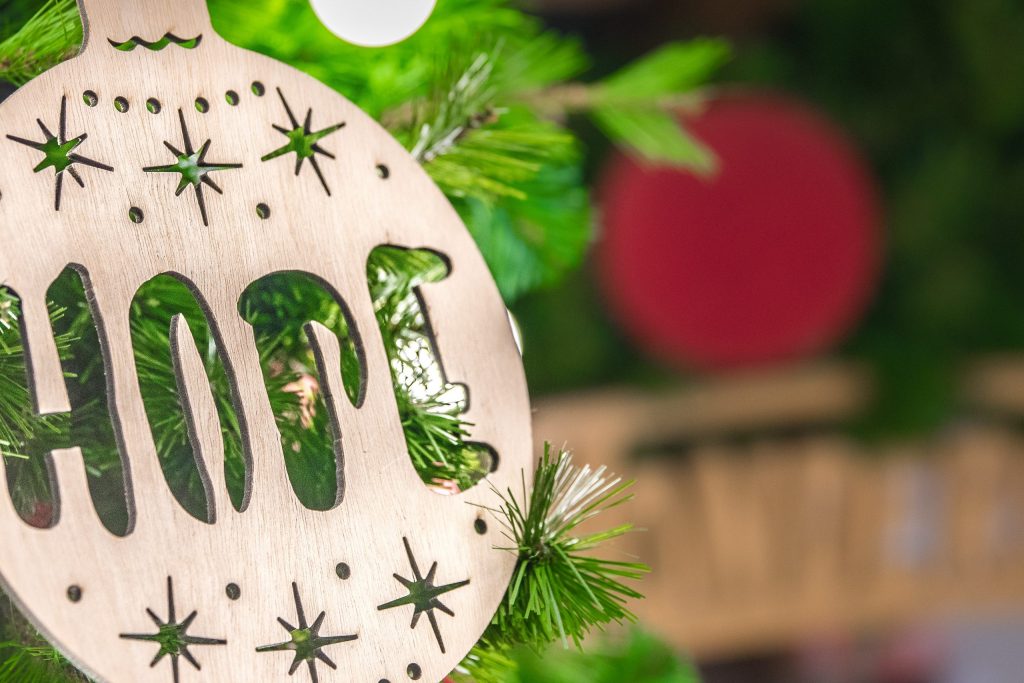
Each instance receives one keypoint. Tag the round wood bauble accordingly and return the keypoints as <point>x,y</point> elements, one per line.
<point>161,149</point>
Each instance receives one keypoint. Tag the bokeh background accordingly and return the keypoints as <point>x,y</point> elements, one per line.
<point>812,360</point>
<point>811,357</point>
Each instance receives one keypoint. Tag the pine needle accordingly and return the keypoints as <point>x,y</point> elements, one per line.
<point>26,658</point>
<point>52,35</point>
<point>23,435</point>
<point>560,590</point>
<point>33,664</point>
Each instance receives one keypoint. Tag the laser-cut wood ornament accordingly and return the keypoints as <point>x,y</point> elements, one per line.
<point>163,149</point>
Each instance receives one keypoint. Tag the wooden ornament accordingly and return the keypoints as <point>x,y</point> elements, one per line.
<point>396,582</point>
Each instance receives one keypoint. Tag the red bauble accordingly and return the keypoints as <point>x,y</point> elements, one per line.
<point>774,257</point>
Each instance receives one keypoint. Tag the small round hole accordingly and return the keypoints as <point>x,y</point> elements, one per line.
<point>383,171</point>
<point>257,89</point>
<point>231,97</point>
<point>414,672</point>
<point>90,99</point>
<point>75,593</point>
<point>135,215</point>
<point>153,105</point>
<point>344,571</point>
<point>121,104</point>
<point>233,591</point>
<point>480,526</point>
<point>383,680</point>
<point>263,211</point>
<point>202,105</point>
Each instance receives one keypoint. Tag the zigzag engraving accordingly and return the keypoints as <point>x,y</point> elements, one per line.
<point>156,46</point>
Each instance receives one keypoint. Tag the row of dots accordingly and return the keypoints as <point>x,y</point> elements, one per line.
<point>234,592</point>
<point>136,215</point>
<point>153,105</point>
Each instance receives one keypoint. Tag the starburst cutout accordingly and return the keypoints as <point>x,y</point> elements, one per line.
<point>423,595</point>
<point>303,141</point>
<point>192,166</point>
<point>172,636</point>
<point>59,153</point>
<point>306,641</point>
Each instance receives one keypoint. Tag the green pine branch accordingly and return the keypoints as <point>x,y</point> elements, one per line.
<point>53,34</point>
<point>637,658</point>
<point>25,437</point>
<point>25,657</point>
<point>561,589</point>
<point>20,663</point>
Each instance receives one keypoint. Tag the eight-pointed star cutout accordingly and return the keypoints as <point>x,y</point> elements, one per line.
<point>304,141</point>
<point>306,641</point>
<point>59,153</point>
<point>193,167</point>
<point>423,595</point>
<point>172,636</point>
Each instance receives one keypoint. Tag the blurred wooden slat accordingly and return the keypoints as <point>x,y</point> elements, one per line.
<point>762,541</point>
<point>996,383</point>
<point>816,394</point>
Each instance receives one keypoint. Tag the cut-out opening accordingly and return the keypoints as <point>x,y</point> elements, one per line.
<point>263,211</point>
<point>383,172</point>
<point>92,428</point>
<point>305,641</point>
<point>414,671</point>
<point>192,167</point>
<point>172,637</point>
<point>153,105</point>
<point>304,140</point>
<point>156,45</point>
<point>154,307</point>
<point>278,307</point>
<point>429,405</point>
<point>231,97</point>
<point>424,593</point>
<point>233,591</point>
<point>135,215</point>
<point>343,571</point>
<point>59,153</point>
<point>74,593</point>
<point>90,98</point>
<point>27,442</point>
<point>258,89</point>
<point>480,526</point>
<point>202,105</point>
<point>121,104</point>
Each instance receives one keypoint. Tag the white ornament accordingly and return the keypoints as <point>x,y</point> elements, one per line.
<point>373,23</point>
